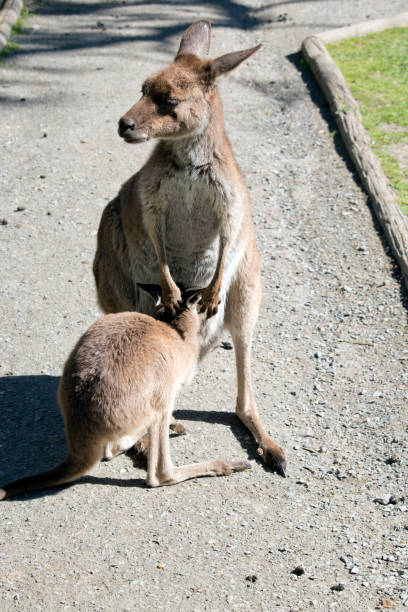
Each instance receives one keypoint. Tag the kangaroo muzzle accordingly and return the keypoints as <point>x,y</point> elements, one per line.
<point>129,131</point>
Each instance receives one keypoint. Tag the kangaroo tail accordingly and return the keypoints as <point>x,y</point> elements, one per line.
<point>70,469</point>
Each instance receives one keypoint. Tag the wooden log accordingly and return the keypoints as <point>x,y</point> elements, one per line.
<point>367,27</point>
<point>8,16</point>
<point>348,118</point>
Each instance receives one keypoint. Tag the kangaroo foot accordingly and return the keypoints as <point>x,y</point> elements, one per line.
<point>274,457</point>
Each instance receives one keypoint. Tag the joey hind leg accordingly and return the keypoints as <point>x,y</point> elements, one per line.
<point>241,315</point>
<point>117,447</point>
<point>142,445</point>
<point>160,468</point>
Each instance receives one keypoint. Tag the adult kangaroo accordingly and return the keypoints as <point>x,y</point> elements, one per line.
<point>185,217</point>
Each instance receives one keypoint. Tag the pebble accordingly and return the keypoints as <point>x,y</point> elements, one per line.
<point>388,603</point>
<point>298,571</point>
<point>302,482</point>
<point>251,578</point>
<point>386,499</point>
<point>226,345</point>
<point>338,587</point>
<point>392,460</point>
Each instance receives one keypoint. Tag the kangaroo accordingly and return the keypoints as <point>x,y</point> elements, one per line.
<point>185,216</point>
<point>119,383</point>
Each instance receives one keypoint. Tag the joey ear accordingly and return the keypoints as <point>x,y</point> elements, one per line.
<point>154,291</point>
<point>196,39</point>
<point>228,62</point>
<point>192,296</point>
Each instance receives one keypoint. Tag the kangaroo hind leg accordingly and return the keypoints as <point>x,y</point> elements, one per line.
<point>242,313</point>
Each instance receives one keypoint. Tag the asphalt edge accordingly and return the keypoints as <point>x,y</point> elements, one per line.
<point>9,13</point>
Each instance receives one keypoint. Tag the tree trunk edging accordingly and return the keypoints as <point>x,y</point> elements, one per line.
<point>348,118</point>
<point>9,14</point>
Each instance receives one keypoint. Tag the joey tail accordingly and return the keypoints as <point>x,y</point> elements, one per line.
<point>67,471</point>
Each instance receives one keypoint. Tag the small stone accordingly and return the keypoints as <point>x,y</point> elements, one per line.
<point>19,208</point>
<point>387,603</point>
<point>298,571</point>
<point>3,222</point>
<point>251,578</point>
<point>392,460</point>
<point>302,482</point>
<point>226,345</point>
<point>384,501</point>
<point>355,570</point>
<point>338,587</point>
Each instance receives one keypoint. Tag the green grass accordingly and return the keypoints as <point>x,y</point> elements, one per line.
<point>376,70</point>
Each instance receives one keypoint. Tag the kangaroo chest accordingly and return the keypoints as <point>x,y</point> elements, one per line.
<point>190,208</point>
<point>191,214</point>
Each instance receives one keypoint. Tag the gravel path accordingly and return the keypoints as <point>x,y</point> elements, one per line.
<point>330,352</point>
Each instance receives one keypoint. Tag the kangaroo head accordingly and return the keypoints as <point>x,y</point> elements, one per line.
<point>176,101</point>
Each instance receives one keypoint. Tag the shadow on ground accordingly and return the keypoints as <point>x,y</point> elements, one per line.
<point>32,434</point>
<point>229,419</point>
<point>106,24</point>
<point>32,437</point>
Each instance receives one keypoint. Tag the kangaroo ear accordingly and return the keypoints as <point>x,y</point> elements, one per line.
<point>196,39</point>
<point>154,291</point>
<point>192,296</point>
<point>228,62</point>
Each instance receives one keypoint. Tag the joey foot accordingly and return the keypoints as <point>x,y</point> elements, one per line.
<point>172,299</point>
<point>178,428</point>
<point>274,457</point>
<point>142,445</point>
<point>226,469</point>
<point>209,302</point>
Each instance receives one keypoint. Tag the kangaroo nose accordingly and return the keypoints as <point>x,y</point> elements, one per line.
<point>126,124</point>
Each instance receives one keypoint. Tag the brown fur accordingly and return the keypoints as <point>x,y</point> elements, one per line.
<point>185,217</point>
<point>118,384</point>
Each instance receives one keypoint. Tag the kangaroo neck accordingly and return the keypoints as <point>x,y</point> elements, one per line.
<point>187,326</point>
<point>210,147</point>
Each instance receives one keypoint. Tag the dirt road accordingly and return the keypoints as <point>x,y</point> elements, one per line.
<point>330,352</point>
